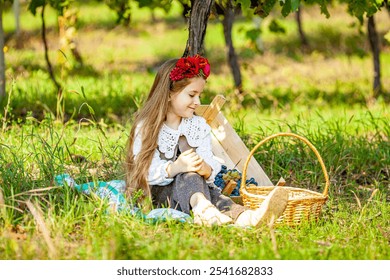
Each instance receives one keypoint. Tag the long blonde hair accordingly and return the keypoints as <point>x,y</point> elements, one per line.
<point>152,117</point>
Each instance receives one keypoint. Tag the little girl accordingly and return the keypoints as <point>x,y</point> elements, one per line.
<point>170,157</point>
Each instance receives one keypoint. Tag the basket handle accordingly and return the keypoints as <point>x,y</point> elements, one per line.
<point>243,180</point>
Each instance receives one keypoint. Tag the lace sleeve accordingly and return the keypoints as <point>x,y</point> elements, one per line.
<point>157,174</point>
<point>158,171</point>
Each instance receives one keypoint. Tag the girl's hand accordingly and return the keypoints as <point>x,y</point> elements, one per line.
<point>189,161</point>
<point>204,170</point>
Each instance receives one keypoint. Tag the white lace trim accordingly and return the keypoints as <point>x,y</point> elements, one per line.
<point>194,129</point>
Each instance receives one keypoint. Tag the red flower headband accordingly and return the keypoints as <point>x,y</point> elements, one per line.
<point>189,67</point>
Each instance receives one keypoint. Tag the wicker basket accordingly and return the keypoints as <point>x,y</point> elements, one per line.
<point>303,205</point>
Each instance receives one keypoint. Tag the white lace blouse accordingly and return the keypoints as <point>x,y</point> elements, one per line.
<point>197,133</point>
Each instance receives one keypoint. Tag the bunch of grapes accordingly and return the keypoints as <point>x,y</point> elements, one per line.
<point>225,175</point>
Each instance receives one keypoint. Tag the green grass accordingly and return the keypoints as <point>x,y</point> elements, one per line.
<point>321,94</point>
<point>350,227</point>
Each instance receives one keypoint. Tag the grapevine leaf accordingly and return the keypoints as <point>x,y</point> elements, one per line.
<point>264,8</point>
<point>276,27</point>
<point>245,4</point>
<point>295,5</point>
<point>253,34</point>
<point>34,5</point>
<point>144,3</point>
<point>324,9</point>
<point>286,10</point>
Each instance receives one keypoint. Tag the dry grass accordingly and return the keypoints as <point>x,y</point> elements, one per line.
<point>37,213</point>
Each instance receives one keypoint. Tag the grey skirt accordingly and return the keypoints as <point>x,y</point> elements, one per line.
<point>177,195</point>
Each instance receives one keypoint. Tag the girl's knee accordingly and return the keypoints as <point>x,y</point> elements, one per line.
<point>191,176</point>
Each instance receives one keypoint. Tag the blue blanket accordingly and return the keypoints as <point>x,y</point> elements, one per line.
<point>112,191</point>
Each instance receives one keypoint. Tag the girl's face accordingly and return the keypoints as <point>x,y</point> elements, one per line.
<point>184,103</point>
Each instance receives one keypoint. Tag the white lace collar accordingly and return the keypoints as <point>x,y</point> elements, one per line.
<point>194,129</point>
